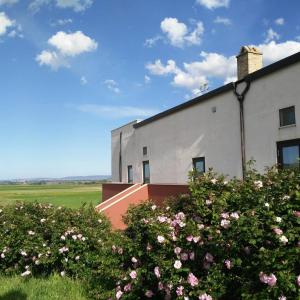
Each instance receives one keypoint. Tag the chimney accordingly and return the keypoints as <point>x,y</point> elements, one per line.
<point>249,60</point>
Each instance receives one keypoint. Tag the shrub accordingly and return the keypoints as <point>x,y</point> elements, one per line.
<point>227,240</point>
<point>40,239</point>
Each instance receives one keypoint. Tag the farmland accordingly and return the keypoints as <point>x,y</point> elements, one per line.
<point>70,194</point>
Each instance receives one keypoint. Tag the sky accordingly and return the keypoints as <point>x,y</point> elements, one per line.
<point>73,70</point>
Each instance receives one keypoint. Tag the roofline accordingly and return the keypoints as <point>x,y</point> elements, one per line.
<point>225,88</point>
<point>131,122</point>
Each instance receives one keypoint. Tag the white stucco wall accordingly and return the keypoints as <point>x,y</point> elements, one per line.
<point>174,140</point>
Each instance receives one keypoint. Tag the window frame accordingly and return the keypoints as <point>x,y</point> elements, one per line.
<point>145,150</point>
<point>281,145</point>
<point>129,167</point>
<point>281,111</point>
<point>198,159</point>
<point>146,180</point>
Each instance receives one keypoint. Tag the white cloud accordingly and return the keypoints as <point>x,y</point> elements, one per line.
<point>221,20</point>
<point>271,35</point>
<point>51,59</point>
<point>152,41</point>
<point>196,74</point>
<point>116,112</point>
<point>212,4</point>
<point>178,33</point>
<point>83,80</point>
<point>67,45</point>
<point>5,23</point>
<point>279,21</point>
<point>72,44</point>
<point>61,22</point>
<point>76,5</point>
<point>112,85</point>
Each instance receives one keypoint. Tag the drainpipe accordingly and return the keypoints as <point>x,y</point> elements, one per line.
<point>241,97</point>
<point>120,159</point>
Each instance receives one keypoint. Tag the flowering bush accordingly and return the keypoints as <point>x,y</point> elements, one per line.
<point>40,239</point>
<point>227,240</point>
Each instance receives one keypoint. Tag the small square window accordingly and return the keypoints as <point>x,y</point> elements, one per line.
<point>287,116</point>
<point>199,164</point>
<point>145,150</point>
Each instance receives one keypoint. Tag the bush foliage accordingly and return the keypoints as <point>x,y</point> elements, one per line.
<point>225,240</point>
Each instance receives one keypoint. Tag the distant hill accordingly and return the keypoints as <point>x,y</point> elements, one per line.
<point>63,179</point>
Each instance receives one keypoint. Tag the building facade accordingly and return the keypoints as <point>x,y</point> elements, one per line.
<point>255,118</point>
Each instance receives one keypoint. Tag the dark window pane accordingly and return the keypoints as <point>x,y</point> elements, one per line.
<point>146,172</point>
<point>130,174</point>
<point>144,150</point>
<point>287,116</point>
<point>199,164</point>
<point>290,156</point>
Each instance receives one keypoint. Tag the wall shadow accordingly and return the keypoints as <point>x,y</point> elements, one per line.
<point>14,295</point>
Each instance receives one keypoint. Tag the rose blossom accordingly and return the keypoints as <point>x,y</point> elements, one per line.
<point>209,258</point>
<point>184,256</point>
<point>119,294</point>
<point>278,231</point>
<point>282,298</point>
<point>228,264</point>
<point>177,264</point>
<point>192,279</point>
<point>157,272</point>
<point>269,280</point>
<point>225,223</point>
<point>160,239</point>
<point>179,290</point>
<point>127,287</point>
<point>189,238</point>
<point>149,294</point>
<point>283,239</point>
<point>258,184</point>
<point>177,250</point>
<point>192,256</point>
<point>133,274</point>
<point>298,280</point>
<point>205,297</point>
<point>297,214</point>
<point>134,260</point>
<point>234,215</point>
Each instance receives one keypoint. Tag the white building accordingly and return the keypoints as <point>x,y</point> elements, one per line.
<point>220,129</point>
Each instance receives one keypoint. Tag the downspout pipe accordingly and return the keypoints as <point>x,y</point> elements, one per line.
<point>241,98</point>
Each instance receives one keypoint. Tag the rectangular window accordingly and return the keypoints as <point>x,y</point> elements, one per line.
<point>199,164</point>
<point>289,154</point>
<point>145,150</point>
<point>287,116</point>
<point>130,174</point>
<point>146,172</point>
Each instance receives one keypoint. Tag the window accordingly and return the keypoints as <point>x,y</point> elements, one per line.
<point>287,116</point>
<point>144,150</point>
<point>199,164</point>
<point>130,174</point>
<point>289,154</point>
<point>146,172</point>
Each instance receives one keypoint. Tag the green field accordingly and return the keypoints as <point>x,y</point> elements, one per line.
<point>53,288</point>
<point>71,195</point>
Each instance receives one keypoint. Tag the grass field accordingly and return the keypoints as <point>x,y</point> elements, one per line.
<point>71,195</point>
<point>53,288</point>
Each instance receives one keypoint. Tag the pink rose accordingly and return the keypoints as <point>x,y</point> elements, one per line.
<point>192,279</point>
<point>127,287</point>
<point>209,258</point>
<point>298,280</point>
<point>228,264</point>
<point>184,256</point>
<point>133,274</point>
<point>179,290</point>
<point>157,272</point>
<point>278,231</point>
<point>149,294</point>
<point>205,297</point>
<point>297,214</point>
<point>177,250</point>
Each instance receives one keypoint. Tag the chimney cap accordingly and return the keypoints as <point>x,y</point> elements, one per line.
<point>249,49</point>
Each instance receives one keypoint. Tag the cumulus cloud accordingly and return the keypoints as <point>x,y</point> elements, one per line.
<point>271,35</point>
<point>152,41</point>
<point>75,5</point>
<point>9,27</point>
<point>61,22</point>
<point>178,33</point>
<point>212,4</point>
<point>67,45</point>
<point>112,85</point>
<point>279,21</point>
<point>8,2</point>
<point>197,74</point>
<point>116,112</point>
<point>224,21</point>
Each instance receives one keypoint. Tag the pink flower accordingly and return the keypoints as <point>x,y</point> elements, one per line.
<point>228,264</point>
<point>134,260</point>
<point>157,272</point>
<point>184,256</point>
<point>177,250</point>
<point>205,297</point>
<point>119,294</point>
<point>160,286</point>
<point>297,214</point>
<point>278,231</point>
<point>269,280</point>
<point>258,184</point>
<point>177,264</point>
<point>282,298</point>
<point>208,202</point>
<point>179,290</point>
<point>225,223</point>
<point>161,219</point>
<point>192,279</point>
<point>160,239</point>
<point>196,239</point>
<point>127,287</point>
<point>133,274</point>
<point>192,256</point>
<point>189,238</point>
<point>149,294</point>
<point>209,258</point>
<point>283,239</point>
<point>225,215</point>
<point>234,215</point>
<point>298,280</point>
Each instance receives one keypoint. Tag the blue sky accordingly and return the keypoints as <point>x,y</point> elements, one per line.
<point>72,70</point>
